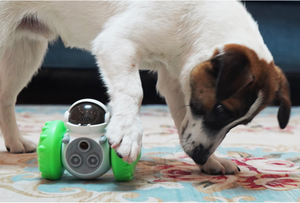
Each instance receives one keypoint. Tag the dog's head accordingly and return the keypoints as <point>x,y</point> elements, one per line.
<point>227,90</point>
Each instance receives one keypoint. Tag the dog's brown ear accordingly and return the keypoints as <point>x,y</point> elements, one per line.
<point>283,96</point>
<point>233,73</point>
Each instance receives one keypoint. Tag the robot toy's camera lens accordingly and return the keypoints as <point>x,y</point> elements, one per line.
<point>92,161</point>
<point>75,160</point>
<point>84,146</point>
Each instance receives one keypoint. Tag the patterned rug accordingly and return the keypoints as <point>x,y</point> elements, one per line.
<point>269,159</point>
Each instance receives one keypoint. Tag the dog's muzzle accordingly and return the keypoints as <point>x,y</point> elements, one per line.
<point>200,155</point>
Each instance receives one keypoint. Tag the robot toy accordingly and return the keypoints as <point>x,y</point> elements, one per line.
<point>80,146</point>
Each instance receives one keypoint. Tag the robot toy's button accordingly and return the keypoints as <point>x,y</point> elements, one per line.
<point>66,139</point>
<point>102,140</point>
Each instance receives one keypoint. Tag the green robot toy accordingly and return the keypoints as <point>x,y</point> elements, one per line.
<point>80,146</point>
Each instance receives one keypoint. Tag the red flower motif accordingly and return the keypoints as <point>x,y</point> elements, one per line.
<point>271,174</point>
<point>174,173</point>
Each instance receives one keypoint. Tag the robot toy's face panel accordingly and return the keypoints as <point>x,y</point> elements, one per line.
<point>87,113</point>
<point>84,155</point>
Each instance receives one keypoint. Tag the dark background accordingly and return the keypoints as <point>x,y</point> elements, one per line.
<point>71,74</point>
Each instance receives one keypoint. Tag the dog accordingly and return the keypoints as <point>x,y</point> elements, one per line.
<point>214,70</point>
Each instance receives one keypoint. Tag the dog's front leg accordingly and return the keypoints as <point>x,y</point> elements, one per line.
<point>170,88</point>
<point>118,61</point>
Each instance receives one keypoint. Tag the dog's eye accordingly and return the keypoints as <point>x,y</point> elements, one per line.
<point>222,113</point>
<point>218,118</point>
<point>219,109</point>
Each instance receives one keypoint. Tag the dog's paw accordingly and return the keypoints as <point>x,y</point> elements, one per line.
<point>125,137</point>
<point>219,166</point>
<point>20,145</point>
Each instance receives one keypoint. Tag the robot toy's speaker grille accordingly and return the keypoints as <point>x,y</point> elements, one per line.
<point>84,119</point>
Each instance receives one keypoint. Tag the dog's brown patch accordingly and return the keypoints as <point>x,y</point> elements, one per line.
<point>203,85</point>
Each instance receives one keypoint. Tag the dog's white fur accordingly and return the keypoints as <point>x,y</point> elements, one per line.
<point>168,37</point>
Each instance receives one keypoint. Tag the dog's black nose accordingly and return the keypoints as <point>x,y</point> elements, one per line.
<point>200,155</point>
<point>200,159</point>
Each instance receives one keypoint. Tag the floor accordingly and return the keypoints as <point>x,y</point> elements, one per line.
<point>269,159</point>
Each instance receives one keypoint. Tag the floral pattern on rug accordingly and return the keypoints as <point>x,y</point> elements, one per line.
<point>269,159</point>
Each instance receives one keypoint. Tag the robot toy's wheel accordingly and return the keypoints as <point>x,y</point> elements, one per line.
<point>122,170</point>
<point>49,150</point>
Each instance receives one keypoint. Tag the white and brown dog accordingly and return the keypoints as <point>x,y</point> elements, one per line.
<point>214,69</point>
